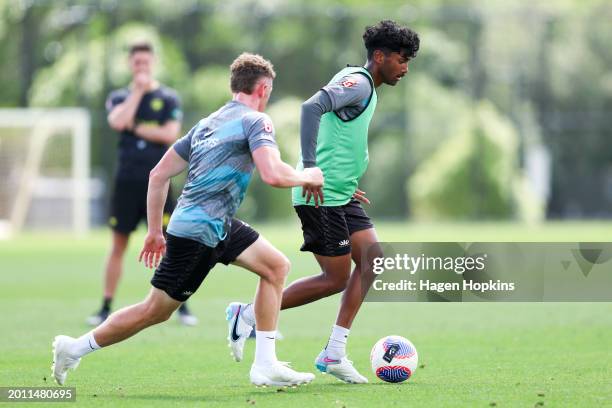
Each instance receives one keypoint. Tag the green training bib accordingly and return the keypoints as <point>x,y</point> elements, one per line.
<point>342,150</point>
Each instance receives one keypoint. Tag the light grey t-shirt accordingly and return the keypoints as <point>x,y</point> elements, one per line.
<point>218,150</point>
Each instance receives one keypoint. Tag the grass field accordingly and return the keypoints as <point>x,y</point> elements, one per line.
<point>473,354</point>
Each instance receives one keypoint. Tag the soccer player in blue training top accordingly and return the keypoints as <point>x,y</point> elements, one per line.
<point>147,116</point>
<point>334,136</point>
<point>221,152</point>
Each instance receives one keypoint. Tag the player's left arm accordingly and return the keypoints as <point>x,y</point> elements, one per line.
<point>169,166</point>
<point>169,130</point>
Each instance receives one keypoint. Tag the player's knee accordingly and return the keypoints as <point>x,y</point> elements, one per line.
<point>160,316</point>
<point>155,313</point>
<point>282,270</point>
<point>120,242</point>
<point>374,252</point>
<point>117,250</point>
<point>279,271</point>
<point>335,283</point>
<point>338,284</point>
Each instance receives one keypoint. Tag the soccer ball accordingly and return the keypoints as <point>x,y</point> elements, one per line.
<point>394,359</point>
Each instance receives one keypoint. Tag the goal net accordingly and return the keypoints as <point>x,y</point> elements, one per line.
<point>44,170</point>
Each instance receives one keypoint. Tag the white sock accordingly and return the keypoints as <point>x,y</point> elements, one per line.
<point>336,346</point>
<point>84,345</point>
<point>248,314</point>
<point>265,348</point>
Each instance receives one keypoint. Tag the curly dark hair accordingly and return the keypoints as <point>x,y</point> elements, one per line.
<point>387,36</point>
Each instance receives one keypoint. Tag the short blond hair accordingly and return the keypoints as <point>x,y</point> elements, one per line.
<point>247,69</point>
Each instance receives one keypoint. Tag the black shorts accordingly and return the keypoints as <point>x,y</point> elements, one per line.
<point>187,262</point>
<point>129,205</point>
<point>327,230</point>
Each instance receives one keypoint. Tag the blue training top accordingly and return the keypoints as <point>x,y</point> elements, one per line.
<point>218,150</point>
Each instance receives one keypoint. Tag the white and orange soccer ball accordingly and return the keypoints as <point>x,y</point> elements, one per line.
<point>394,359</point>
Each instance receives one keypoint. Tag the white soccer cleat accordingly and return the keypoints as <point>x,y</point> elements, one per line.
<point>238,329</point>
<point>62,360</point>
<point>341,369</point>
<point>278,374</point>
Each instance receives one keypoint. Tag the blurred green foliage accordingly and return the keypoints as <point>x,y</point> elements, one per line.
<point>492,81</point>
<point>477,161</point>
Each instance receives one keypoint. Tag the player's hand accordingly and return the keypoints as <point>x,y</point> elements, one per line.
<point>314,187</point>
<point>153,249</point>
<point>142,81</point>
<point>361,196</point>
<point>313,192</point>
<point>314,177</point>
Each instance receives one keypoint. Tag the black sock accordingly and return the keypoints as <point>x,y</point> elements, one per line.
<point>106,304</point>
<point>183,308</point>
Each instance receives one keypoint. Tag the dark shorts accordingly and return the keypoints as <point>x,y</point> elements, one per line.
<point>187,262</point>
<point>129,205</point>
<point>327,230</point>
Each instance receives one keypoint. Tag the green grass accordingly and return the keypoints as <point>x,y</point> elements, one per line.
<point>474,354</point>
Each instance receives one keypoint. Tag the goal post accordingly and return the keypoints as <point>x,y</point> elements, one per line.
<point>44,155</point>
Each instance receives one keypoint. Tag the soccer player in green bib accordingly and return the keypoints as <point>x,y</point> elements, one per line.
<point>337,230</point>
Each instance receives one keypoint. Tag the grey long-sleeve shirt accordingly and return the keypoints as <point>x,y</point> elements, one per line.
<point>348,97</point>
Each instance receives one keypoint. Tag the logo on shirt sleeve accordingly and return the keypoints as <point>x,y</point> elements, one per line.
<point>349,83</point>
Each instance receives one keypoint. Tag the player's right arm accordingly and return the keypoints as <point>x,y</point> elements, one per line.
<point>159,181</point>
<point>121,115</point>
<point>264,150</point>
<point>277,173</point>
